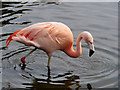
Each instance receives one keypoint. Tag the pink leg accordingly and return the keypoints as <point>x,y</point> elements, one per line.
<point>23,58</point>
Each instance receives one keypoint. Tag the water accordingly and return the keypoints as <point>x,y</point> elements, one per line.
<point>98,71</point>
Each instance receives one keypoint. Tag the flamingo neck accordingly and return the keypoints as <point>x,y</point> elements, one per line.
<point>75,53</point>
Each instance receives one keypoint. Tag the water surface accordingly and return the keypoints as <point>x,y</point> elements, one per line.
<point>98,71</point>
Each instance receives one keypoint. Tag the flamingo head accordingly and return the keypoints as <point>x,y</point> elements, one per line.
<point>89,40</point>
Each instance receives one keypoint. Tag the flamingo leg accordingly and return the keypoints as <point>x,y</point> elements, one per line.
<point>23,58</point>
<point>30,52</point>
<point>49,57</point>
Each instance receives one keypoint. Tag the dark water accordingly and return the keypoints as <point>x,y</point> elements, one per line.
<point>99,71</point>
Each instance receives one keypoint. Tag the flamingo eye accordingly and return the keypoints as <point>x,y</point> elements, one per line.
<point>90,42</point>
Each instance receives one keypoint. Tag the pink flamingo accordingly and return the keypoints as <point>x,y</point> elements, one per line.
<point>51,36</point>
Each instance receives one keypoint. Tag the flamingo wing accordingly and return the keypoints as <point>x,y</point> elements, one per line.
<point>29,34</point>
<point>48,36</point>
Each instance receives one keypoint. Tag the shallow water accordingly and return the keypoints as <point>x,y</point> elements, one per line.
<point>98,71</point>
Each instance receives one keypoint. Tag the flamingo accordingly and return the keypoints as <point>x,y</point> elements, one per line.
<point>49,37</point>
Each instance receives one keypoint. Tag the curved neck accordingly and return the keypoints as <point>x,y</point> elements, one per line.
<point>75,53</point>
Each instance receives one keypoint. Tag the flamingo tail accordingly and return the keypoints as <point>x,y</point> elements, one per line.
<point>10,37</point>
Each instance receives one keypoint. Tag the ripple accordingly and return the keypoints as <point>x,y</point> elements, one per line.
<point>14,10</point>
<point>5,34</point>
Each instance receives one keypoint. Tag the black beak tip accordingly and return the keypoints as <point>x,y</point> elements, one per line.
<point>91,52</point>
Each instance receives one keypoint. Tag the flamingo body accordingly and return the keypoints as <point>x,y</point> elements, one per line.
<point>47,36</point>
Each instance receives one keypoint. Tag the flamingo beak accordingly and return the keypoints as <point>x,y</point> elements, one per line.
<point>92,49</point>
